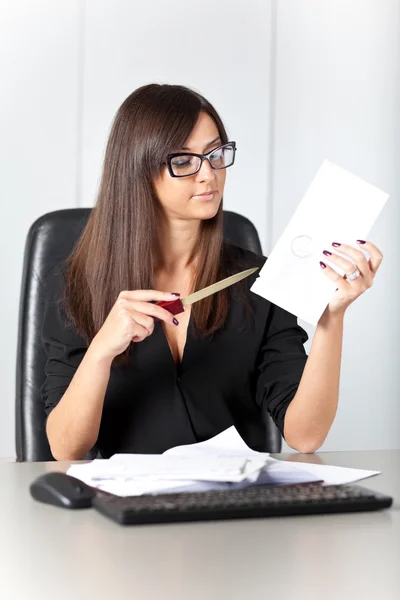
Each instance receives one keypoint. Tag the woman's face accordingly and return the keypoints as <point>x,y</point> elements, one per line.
<point>181,197</point>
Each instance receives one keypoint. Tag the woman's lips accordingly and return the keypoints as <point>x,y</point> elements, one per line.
<point>206,196</point>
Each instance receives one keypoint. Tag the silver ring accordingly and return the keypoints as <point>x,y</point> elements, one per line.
<point>356,273</point>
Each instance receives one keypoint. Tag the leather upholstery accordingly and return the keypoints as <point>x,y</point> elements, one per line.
<point>49,241</point>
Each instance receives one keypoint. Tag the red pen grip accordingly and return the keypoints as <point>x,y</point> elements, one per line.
<point>173,306</point>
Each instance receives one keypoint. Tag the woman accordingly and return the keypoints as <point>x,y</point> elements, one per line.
<point>125,375</point>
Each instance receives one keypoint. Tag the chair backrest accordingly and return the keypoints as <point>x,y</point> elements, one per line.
<point>50,240</point>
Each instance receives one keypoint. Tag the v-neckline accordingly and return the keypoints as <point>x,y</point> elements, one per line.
<point>195,347</point>
<point>178,365</point>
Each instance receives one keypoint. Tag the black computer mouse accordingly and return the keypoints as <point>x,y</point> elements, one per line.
<point>62,490</point>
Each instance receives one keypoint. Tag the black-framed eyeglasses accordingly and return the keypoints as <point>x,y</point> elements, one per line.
<point>183,164</point>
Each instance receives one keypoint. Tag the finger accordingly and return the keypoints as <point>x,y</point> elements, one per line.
<point>346,265</point>
<point>148,295</point>
<point>157,312</point>
<point>355,254</point>
<point>352,289</point>
<point>141,333</point>
<point>333,275</point>
<point>376,256</point>
<point>144,320</point>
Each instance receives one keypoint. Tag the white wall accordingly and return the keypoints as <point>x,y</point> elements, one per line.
<point>337,96</point>
<point>303,81</point>
<point>39,44</point>
<point>128,44</point>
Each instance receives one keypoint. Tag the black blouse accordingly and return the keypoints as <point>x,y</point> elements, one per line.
<point>151,404</point>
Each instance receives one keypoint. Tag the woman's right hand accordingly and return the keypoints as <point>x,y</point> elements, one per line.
<point>131,319</point>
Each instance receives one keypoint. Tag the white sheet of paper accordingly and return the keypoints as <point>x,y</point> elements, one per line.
<point>226,443</point>
<point>332,475</point>
<point>337,207</point>
<point>137,474</point>
<point>229,443</point>
<point>152,467</point>
<point>123,487</point>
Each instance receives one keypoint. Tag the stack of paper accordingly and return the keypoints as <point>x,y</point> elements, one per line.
<point>223,462</point>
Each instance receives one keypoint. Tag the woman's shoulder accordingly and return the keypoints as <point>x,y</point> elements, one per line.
<point>239,259</point>
<point>57,322</point>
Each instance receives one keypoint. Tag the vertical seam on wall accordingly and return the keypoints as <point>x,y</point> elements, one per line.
<point>271,121</point>
<point>80,99</point>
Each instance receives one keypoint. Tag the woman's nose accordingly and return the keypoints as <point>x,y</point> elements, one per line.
<point>206,171</point>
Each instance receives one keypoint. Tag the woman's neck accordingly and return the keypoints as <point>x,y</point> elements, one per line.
<point>177,243</point>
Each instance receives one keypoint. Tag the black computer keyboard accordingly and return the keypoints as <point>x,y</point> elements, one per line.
<point>277,501</point>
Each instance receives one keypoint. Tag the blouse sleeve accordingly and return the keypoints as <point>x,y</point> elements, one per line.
<point>282,359</point>
<point>63,346</point>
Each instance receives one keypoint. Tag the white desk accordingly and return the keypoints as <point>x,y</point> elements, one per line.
<point>52,553</point>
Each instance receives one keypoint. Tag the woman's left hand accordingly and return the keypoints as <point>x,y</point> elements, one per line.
<point>349,290</point>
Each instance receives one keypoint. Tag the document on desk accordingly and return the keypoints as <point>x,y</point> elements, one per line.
<point>229,443</point>
<point>223,462</point>
<point>226,443</point>
<point>337,207</point>
<point>162,467</point>
<point>132,474</point>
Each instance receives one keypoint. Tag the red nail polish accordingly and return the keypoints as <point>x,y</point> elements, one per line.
<point>335,244</point>
<point>327,253</point>
<point>360,242</point>
<point>323,265</point>
<point>175,294</point>
<point>175,321</point>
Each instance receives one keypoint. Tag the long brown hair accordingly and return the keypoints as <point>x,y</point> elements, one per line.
<point>118,248</point>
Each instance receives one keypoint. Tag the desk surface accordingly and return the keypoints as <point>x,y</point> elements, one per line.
<point>50,553</point>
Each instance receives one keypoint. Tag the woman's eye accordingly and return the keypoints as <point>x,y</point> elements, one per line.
<point>216,155</point>
<point>181,162</point>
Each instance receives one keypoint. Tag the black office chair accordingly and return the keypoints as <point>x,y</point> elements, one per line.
<point>50,240</point>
